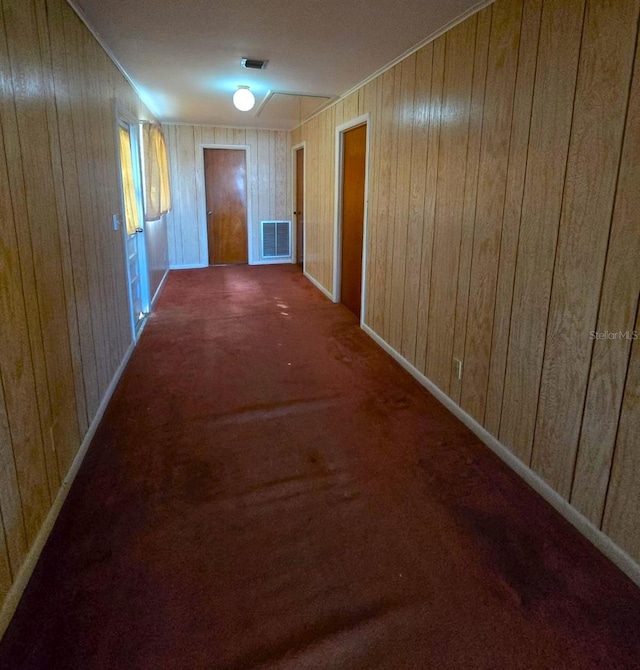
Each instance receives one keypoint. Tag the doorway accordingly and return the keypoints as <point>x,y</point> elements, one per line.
<point>299,205</point>
<point>352,144</point>
<point>225,178</point>
<point>128,142</point>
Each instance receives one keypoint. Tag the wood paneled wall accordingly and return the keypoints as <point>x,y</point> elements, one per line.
<point>64,319</point>
<point>504,229</point>
<point>269,182</point>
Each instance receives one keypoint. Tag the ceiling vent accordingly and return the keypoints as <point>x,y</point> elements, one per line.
<point>254,64</point>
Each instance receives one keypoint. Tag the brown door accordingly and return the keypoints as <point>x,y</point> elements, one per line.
<point>225,178</point>
<point>299,206</point>
<point>353,174</point>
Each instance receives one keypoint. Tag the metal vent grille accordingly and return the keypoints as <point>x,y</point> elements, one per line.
<point>276,239</point>
<point>254,63</point>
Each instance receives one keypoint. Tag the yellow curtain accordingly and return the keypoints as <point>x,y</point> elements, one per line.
<point>128,185</point>
<point>156,167</point>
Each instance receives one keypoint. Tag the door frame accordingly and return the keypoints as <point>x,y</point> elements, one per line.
<point>363,120</point>
<point>202,199</point>
<point>123,116</point>
<point>294,184</point>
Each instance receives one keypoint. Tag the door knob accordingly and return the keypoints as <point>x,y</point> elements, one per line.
<point>209,213</point>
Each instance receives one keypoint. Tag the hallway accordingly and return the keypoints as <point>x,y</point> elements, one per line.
<point>268,488</point>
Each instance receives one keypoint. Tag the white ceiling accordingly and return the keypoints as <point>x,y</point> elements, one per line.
<point>184,56</point>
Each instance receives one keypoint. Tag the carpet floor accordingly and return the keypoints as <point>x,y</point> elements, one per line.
<point>269,489</point>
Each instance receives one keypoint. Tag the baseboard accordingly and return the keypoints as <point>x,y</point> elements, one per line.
<point>273,261</point>
<point>12,600</point>
<point>189,266</point>
<point>599,539</point>
<point>160,286</point>
<point>318,285</point>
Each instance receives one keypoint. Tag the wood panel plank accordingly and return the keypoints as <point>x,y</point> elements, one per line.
<point>456,100</point>
<point>328,191</point>
<point>94,130</point>
<point>111,243</point>
<point>208,135</point>
<point>280,170</point>
<point>606,60</point>
<point>430,196</point>
<point>17,376</point>
<point>6,461</point>
<point>548,146</point>
<point>84,245</point>
<point>5,569</point>
<point>518,151</point>
<point>199,206</point>
<point>42,14</point>
<point>331,191</point>
<point>492,179</point>
<point>66,431</point>
<point>81,130</point>
<point>264,197</point>
<point>375,163</point>
<point>25,383</point>
<point>368,106</point>
<point>417,178</point>
<point>470,192</point>
<point>272,175</point>
<point>338,110</point>
<point>387,85</point>
<point>623,498</point>
<point>393,157</point>
<point>173,217</point>
<point>351,106</point>
<point>610,358</point>
<point>77,265</point>
<point>404,114</point>
<point>251,140</point>
<point>191,246</point>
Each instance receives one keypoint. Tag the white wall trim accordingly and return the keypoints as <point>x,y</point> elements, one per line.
<point>363,120</point>
<point>283,260</point>
<point>294,182</point>
<point>189,266</point>
<point>603,542</point>
<point>202,198</point>
<point>160,286</point>
<point>318,285</point>
<point>26,569</point>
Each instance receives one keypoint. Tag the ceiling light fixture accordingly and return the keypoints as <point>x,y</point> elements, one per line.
<point>243,99</point>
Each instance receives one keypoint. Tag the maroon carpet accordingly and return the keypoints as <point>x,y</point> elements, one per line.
<point>269,489</point>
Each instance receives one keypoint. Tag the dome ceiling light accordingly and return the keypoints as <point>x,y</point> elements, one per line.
<point>243,99</point>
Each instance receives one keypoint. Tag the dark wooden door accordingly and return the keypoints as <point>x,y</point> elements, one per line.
<point>225,177</point>
<point>353,176</point>
<point>300,206</point>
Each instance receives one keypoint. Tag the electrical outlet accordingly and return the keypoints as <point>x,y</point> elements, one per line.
<point>457,368</point>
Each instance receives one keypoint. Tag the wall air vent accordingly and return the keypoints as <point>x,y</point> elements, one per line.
<point>276,239</point>
<point>254,63</point>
